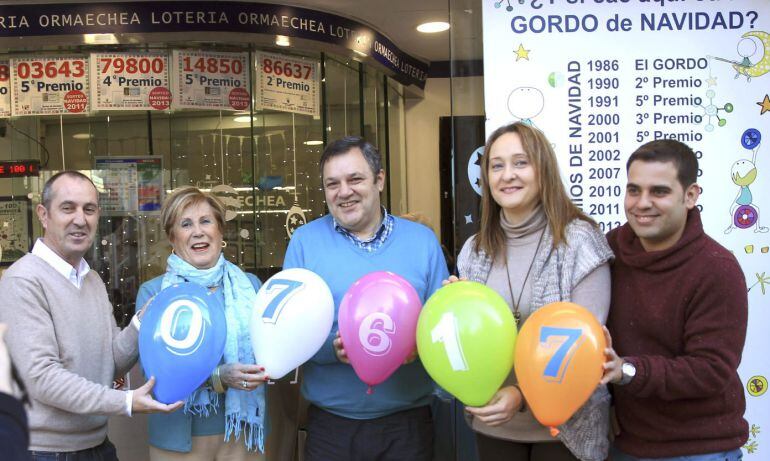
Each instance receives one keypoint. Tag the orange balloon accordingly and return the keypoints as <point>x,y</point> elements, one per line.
<point>558,361</point>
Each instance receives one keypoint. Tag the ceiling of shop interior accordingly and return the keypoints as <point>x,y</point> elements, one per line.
<point>398,19</point>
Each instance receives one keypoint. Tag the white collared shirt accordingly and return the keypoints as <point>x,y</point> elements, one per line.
<point>76,277</point>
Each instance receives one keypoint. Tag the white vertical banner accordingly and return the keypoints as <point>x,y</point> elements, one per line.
<point>210,80</point>
<point>49,85</point>
<point>5,88</point>
<point>130,81</point>
<point>287,84</point>
<point>600,78</point>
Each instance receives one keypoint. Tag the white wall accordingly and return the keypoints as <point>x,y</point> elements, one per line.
<point>422,138</point>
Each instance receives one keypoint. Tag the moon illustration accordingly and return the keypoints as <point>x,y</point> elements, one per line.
<point>763,65</point>
<point>474,169</point>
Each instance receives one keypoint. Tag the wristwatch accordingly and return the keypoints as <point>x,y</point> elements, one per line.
<point>628,371</point>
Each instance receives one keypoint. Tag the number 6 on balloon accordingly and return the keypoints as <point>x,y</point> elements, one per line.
<point>373,333</point>
<point>378,320</point>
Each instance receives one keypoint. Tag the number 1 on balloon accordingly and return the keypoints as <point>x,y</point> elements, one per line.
<point>446,332</point>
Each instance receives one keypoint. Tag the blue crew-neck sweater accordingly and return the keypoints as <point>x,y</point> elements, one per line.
<point>412,252</point>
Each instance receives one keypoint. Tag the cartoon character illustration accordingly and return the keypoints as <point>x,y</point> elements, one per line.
<point>525,103</point>
<point>744,212</point>
<point>747,48</point>
<point>499,3</point>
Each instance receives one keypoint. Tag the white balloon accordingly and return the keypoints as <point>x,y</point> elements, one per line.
<point>292,318</point>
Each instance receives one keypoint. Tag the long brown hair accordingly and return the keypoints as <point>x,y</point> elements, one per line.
<point>559,209</point>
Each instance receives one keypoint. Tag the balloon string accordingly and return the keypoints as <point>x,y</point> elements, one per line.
<point>370,390</point>
<point>554,431</point>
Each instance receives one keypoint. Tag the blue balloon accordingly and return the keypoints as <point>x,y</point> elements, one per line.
<point>182,339</point>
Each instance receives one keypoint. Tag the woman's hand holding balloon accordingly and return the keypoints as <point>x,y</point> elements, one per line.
<point>612,367</point>
<point>241,376</point>
<point>339,349</point>
<point>142,401</point>
<point>140,312</point>
<point>504,404</point>
<point>453,279</point>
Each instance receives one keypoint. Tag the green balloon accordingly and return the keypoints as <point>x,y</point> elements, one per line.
<point>466,336</point>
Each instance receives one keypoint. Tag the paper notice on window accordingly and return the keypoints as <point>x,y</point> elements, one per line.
<point>210,80</point>
<point>49,85</point>
<point>130,81</point>
<point>287,84</point>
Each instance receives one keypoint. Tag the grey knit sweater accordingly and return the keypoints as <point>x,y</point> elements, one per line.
<point>555,273</point>
<point>68,350</point>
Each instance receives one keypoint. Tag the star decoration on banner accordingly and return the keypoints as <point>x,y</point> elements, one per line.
<point>468,219</point>
<point>712,81</point>
<point>764,104</point>
<point>294,219</point>
<point>522,53</point>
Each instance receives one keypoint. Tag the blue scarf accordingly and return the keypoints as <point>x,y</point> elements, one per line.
<point>244,411</point>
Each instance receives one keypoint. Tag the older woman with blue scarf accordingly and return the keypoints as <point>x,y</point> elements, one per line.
<point>225,417</point>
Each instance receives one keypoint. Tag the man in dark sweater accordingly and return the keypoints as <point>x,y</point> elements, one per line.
<point>677,319</point>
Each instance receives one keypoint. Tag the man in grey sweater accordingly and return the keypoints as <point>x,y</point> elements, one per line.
<point>62,334</point>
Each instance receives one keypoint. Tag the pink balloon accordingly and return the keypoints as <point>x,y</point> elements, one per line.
<point>378,324</point>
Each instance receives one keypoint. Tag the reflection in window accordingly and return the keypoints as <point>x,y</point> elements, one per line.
<point>264,166</point>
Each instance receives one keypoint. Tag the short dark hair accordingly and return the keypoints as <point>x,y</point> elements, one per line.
<point>344,145</point>
<point>47,196</point>
<point>673,151</point>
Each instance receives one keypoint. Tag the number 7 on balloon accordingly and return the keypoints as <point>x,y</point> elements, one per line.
<point>273,309</point>
<point>557,366</point>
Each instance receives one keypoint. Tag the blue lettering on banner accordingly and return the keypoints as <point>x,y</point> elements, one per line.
<point>199,16</point>
<point>692,21</point>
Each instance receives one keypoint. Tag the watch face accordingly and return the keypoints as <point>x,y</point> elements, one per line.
<point>629,371</point>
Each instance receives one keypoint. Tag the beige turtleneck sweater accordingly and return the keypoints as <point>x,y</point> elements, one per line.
<point>593,293</point>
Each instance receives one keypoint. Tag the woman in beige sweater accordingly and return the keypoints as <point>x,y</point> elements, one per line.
<point>535,247</point>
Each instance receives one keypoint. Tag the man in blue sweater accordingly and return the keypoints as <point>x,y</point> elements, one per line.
<point>358,237</point>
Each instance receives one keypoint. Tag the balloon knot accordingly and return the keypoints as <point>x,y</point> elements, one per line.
<point>554,431</point>
<point>370,390</point>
